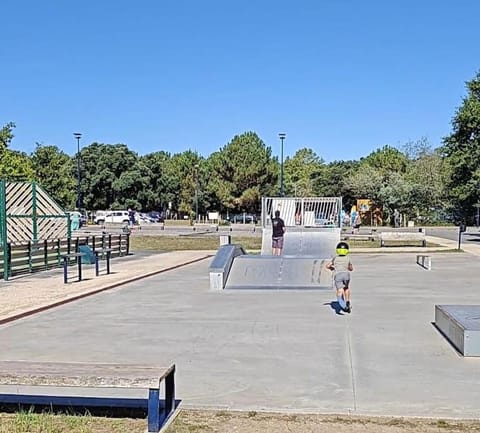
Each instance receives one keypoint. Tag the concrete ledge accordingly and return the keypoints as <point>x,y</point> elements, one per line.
<point>460,324</point>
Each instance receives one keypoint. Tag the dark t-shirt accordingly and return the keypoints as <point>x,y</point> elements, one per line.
<point>277,227</point>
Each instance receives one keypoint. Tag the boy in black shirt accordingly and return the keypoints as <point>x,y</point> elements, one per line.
<point>278,229</point>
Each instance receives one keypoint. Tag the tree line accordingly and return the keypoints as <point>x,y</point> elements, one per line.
<point>420,181</point>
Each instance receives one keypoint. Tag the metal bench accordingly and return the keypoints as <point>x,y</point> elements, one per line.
<point>403,237</point>
<point>90,376</point>
<point>66,262</point>
<point>86,255</point>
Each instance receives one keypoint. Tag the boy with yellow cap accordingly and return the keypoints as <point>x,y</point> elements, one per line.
<point>341,265</point>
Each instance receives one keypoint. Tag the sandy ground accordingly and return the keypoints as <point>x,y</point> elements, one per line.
<point>189,421</point>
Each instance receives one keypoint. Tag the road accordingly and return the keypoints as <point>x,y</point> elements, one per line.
<point>471,235</point>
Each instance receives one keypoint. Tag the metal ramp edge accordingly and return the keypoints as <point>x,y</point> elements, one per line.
<point>253,272</point>
<point>221,264</point>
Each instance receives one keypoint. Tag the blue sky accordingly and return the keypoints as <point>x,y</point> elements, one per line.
<point>343,77</point>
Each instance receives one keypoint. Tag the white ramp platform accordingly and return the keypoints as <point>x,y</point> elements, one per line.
<point>270,272</point>
<point>461,326</point>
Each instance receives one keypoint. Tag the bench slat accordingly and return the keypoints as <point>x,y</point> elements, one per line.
<point>86,375</point>
<point>403,236</point>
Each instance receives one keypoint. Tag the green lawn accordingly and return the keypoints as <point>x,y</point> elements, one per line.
<point>190,242</point>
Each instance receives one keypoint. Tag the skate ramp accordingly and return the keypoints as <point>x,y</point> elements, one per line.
<point>287,272</point>
<point>313,242</point>
<point>302,265</point>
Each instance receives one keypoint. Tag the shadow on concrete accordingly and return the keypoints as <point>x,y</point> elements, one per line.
<point>335,306</point>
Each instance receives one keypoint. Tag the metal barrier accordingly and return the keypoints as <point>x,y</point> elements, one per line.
<point>303,211</point>
<point>27,257</point>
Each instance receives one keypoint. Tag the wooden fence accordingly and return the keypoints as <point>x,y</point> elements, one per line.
<point>31,256</point>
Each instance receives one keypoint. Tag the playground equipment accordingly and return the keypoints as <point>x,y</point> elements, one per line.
<point>28,214</point>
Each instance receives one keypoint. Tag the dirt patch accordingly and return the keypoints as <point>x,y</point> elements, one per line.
<point>193,421</point>
<point>203,421</point>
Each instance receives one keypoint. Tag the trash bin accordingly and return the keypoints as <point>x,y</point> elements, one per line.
<point>89,257</point>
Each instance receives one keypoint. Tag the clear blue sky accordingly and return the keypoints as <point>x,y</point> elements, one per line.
<point>343,77</point>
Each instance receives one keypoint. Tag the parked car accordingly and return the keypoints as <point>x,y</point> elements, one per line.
<point>111,216</point>
<point>142,218</point>
<point>322,220</point>
<point>156,216</point>
<point>244,219</point>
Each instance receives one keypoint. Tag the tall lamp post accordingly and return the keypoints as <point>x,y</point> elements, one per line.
<point>477,217</point>
<point>78,136</point>
<point>196,193</point>
<point>282,136</point>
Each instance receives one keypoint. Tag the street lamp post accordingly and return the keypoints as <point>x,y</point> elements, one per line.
<point>282,136</point>
<point>78,136</point>
<point>196,193</point>
<point>477,218</point>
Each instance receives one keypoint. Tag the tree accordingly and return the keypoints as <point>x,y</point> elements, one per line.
<point>161,182</point>
<point>386,160</point>
<point>113,177</point>
<point>335,182</point>
<point>14,165</point>
<point>54,172</point>
<point>427,174</point>
<point>6,136</point>
<point>241,173</point>
<point>302,171</point>
<point>184,173</point>
<point>461,150</point>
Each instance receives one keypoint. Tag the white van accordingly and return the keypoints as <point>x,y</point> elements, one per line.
<point>111,216</point>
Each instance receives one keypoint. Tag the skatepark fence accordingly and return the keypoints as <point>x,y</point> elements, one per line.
<point>28,256</point>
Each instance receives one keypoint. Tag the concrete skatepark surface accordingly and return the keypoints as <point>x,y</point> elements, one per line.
<point>279,350</point>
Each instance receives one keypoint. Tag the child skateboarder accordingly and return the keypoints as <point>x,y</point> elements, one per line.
<point>342,266</point>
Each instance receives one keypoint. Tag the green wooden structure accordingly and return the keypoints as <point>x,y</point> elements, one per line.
<point>28,213</point>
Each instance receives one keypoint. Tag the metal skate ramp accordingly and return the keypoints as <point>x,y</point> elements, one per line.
<point>284,272</point>
<point>304,242</point>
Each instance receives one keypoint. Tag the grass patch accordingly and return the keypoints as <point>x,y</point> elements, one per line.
<point>28,422</point>
<point>198,421</point>
<point>356,243</point>
<point>190,242</point>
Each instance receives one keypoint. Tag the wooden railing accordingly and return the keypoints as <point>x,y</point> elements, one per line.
<point>28,257</point>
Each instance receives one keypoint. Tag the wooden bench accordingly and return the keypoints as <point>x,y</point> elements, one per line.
<point>90,376</point>
<point>359,237</point>
<point>424,261</point>
<point>404,237</point>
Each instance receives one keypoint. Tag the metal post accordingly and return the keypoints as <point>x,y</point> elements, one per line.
<point>461,228</point>
<point>77,136</point>
<point>477,205</point>
<point>196,193</point>
<point>282,136</point>
<point>3,227</point>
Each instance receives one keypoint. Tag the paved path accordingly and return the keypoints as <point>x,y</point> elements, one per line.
<point>267,350</point>
<point>28,294</point>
